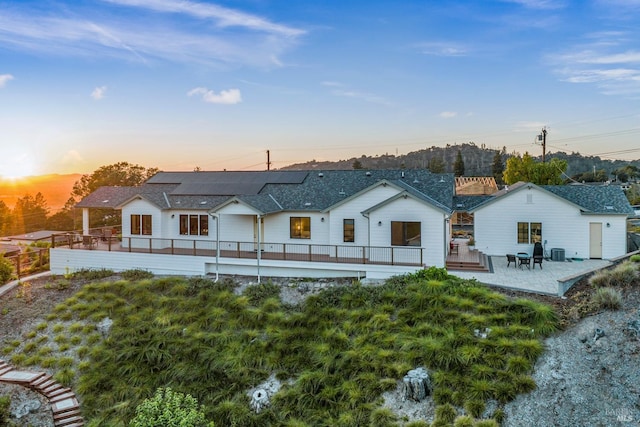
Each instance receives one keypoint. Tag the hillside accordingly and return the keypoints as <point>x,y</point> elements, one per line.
<point>55,188</point>
<point>478,160</point>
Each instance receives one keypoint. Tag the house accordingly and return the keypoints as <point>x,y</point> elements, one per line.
<point>583,221</point>
<point>354,223</point>
<point>360,223</point>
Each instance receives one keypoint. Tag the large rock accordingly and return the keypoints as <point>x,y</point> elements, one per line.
<point>416,385</point>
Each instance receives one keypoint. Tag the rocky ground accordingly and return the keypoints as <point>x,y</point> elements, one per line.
<point>589,374</point>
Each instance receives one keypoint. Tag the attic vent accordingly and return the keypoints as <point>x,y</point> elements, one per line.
<point>342,193</point>
<point>415,181</point>
<point>442,179</point>
<point>609,207</point>
<point>459,205</point>
<point>320,174</point>
<point>203,203</point>
<point>307,204</point>
<point>105,201</point>
<point>402,174</point>
<point>368,173</point>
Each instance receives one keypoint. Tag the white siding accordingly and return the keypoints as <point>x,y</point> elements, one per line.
<point>563,226</point>
<point>277,228</point>
<point>352,210</point>
<point>432,220</point>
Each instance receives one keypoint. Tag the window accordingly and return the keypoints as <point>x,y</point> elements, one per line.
<point>529,232</point>
<point>300,227</point>
<point>348,230</point>
<point>195,225</point>
<point>405,233</point>
<point>141,224</point>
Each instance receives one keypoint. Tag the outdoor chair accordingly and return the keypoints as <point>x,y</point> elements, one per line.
<point>537,254</point>
<point>511,258</point>
<point>87,242</point>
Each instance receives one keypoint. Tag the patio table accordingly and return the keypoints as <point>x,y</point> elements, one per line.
<point>524,259</point>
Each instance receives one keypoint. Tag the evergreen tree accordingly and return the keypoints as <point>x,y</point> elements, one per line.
<point>458,166</point>
<point>497,167</point>
<point>436,165</point>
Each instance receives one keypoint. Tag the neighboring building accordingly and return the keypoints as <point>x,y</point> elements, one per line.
<point>354,223</point>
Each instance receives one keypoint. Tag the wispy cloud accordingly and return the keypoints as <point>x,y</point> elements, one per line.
<point>539,4</point>
<point>167,30</point>
<point>342,90</point>
<point>442,49</point>
<point>4,79</point>
<point>223,16</point>
<point>448,114</point>
<point>229,96</point>
<point>528,127</point>
<point>610,61</point>
<point>99,92</point>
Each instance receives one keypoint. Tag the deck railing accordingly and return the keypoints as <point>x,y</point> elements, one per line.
<point>392,255</point>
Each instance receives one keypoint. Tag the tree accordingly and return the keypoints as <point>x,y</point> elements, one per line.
<point>169,408</point>
<point>357,164</point>
<point>122,174</point>
<point>526,169</point>
<point>436,165</point>
<point>30,214</point>
<point>5,219</point>
<point>497,167</point>
<point>458,166</point>
<point>118,174</point>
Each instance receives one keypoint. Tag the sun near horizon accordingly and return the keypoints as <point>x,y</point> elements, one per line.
<point>17,170</point>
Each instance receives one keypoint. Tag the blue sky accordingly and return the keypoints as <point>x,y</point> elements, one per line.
<point>179,84</point>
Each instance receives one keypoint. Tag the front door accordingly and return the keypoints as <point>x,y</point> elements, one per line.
<point>595,240</point>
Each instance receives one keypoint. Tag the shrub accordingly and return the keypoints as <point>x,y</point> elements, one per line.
<point>607,298</point>
<point>446,413</point>
<point>170,409</point>
<point>635,258</point>
<point>91,274</point>
<point>136,274</point>
<point>463,421</point>
<point>5,402</point>
<point>6,270</point>
<point>624,274</point>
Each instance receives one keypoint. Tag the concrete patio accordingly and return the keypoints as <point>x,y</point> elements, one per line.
<point>555,277</point>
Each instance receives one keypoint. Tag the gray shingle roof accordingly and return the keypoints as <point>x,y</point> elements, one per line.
<point>275,191</point>
<point>604,199</point>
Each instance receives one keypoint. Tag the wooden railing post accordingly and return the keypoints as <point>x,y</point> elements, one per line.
<point>18,264</point>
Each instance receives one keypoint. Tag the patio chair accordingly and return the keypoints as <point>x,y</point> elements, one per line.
<point>538,252</point>
<point>511,258</point>
<point>87,242</point>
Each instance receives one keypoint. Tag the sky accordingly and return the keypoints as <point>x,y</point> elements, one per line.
<point>186,84</point>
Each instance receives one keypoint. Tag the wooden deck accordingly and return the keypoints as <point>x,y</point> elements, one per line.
<point>465,259</point>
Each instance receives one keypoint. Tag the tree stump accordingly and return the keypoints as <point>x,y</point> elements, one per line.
<point>416,385</point>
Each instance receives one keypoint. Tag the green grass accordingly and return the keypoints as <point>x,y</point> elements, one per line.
<point>336,353</point>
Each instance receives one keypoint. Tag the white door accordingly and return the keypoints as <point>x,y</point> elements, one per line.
<point>595,240</point>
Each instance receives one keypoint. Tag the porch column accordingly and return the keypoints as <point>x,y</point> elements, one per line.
<point>85,221</point>
<point>259,254</point>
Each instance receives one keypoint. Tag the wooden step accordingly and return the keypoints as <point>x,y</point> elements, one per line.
<point>5,369</point>
<point>61,396</point>
<point>51,388</point>
<point>37,383</point>
<point>76,420</point>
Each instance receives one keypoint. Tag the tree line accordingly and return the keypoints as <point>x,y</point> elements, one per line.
<point>31,213</point>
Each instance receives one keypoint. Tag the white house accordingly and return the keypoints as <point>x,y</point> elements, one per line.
<point>583,221</point>
<point>351,223</point>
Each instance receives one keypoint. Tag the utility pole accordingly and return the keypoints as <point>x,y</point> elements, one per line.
<point>268,160</point>
<point>542,139</point>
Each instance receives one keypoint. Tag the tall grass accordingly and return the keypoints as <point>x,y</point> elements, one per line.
<point>336,353</point>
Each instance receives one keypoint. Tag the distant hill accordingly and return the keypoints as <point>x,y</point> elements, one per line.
<point>55,188</point>
<point>477,160</point>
